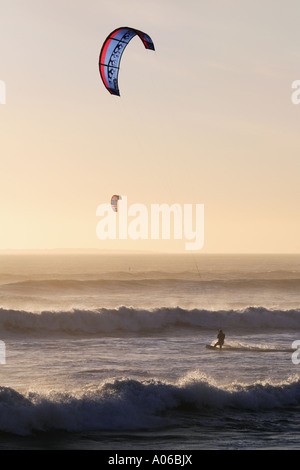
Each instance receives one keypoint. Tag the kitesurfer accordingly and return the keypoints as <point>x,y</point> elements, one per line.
<point>221,338</point>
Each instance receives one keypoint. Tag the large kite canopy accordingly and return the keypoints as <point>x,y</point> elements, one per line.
<point>111,53</point>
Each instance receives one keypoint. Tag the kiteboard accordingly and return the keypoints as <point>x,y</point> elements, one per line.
<point>209,346</point>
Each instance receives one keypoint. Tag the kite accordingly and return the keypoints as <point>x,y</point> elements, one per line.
<point>114,202</point>
<point>111,53</point>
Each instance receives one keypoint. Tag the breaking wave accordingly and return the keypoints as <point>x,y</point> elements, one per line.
<point>141,321</point>
<point>128,404</point>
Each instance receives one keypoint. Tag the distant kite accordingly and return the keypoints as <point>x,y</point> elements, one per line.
<point>114,202</point>
<point>111,53</point>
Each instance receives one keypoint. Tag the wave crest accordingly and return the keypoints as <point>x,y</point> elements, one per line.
<point>128,404</point>
<point>131,320</point>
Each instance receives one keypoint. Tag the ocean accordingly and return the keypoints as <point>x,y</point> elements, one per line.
<point>108,352</point>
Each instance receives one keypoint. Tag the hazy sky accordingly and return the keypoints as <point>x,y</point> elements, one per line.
<point>207,118</point>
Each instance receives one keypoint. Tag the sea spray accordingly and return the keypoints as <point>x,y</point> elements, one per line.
<point>128,404</point>
<point>130,320</point>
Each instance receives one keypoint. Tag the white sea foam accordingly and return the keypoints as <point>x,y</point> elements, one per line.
<point>126,319</point>
<point>127,404</point>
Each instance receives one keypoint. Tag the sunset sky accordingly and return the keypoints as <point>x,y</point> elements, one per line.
<point>207,118</point>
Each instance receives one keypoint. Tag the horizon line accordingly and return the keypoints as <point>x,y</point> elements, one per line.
<point>141,251</point>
